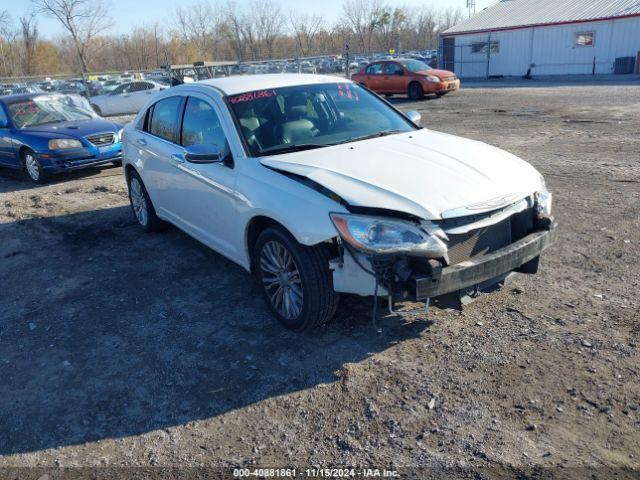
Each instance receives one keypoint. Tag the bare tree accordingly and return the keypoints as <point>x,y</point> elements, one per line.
<point>268,21</point>
<point>390,24</point>
<point>198,24</point>
<point>364,18</point>
<point>421,29</point>
<point>305,28</point>
<point>233,30</point>
<point>82,19</point>
<point>243,30</point>
<point>9,45</point>
<point>29,32</point>
<point>449,17</point>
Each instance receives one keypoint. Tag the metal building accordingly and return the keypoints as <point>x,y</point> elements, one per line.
<point>545,37</point>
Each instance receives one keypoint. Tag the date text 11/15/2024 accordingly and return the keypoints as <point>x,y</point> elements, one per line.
<point>314,473</point>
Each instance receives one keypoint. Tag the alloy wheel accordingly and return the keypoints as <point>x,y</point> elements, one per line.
<point>138,201</point>
<point>33,169</point>
<point>281,280</point>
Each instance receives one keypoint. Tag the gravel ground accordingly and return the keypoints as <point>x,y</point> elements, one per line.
<point>119,348</point>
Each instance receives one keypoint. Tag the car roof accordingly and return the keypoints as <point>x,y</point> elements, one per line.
<point>22,96</point>
<point>249,83</point>
<point>28,96</point>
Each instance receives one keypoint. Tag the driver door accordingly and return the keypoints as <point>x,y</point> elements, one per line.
<point>7,154</point>
<point>200,197</point>
<point>374,76</point>
<point>118,100</point>
<point>395,78</point>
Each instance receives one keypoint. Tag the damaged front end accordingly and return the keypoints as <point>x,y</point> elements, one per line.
<point>446,262</point>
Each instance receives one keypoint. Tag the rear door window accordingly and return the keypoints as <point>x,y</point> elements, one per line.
<point>165,119</point>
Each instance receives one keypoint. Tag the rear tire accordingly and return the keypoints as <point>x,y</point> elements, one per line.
<point>141,205</point>
<point>296,281</point>
<point>32,167</point>
<point>415,91</point>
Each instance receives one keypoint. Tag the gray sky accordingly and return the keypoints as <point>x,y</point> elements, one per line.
<point>130,13</point>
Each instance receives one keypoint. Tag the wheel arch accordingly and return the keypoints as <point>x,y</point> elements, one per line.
<point>128,168</point>
<point>254,228</point>
<point>21,151</point>
<point>260,223</point>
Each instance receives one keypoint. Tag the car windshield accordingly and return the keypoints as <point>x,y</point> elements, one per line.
<point>415,65</point>
<point>49,109</point>
<point>301,117</point>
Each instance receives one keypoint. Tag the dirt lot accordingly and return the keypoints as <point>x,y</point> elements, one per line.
<point>125,349</point>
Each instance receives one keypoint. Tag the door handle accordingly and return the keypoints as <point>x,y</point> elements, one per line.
<point>142,141</point>
<point>177,158</point>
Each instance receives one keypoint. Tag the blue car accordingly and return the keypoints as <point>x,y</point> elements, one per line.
<point>47,133</point>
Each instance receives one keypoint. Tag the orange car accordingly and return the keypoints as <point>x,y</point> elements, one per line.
<point>406,76</point>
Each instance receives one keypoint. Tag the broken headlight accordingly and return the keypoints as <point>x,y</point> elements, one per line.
<point>380,235</point>
<point>543,203</point>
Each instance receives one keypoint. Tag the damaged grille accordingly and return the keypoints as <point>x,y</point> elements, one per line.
<point>479,242</point>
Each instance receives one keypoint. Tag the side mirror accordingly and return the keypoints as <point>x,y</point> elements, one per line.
<point>203,154</point>
<point>414,116</point>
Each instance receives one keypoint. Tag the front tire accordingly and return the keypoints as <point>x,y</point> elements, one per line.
<point>141,204</point>
<point>296,280</point>
<point>33,167</point>
<point>415,91</point>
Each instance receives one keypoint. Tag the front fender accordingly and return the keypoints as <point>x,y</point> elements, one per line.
<point>304,212</point>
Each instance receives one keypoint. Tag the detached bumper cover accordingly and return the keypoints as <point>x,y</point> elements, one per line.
<point>490,266</point>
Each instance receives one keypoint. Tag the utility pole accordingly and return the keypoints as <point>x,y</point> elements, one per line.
<point>346,59</point>
<point>471,7</point>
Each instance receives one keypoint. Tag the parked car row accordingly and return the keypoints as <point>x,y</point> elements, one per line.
<point>125,93</point>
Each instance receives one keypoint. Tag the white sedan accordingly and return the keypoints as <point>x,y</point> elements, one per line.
<point>126,98</point>
<point>320,187</point>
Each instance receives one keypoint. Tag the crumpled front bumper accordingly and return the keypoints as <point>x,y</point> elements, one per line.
<point>473,272</point>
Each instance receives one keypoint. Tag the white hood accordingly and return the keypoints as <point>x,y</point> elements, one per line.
<point>428,174</point>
